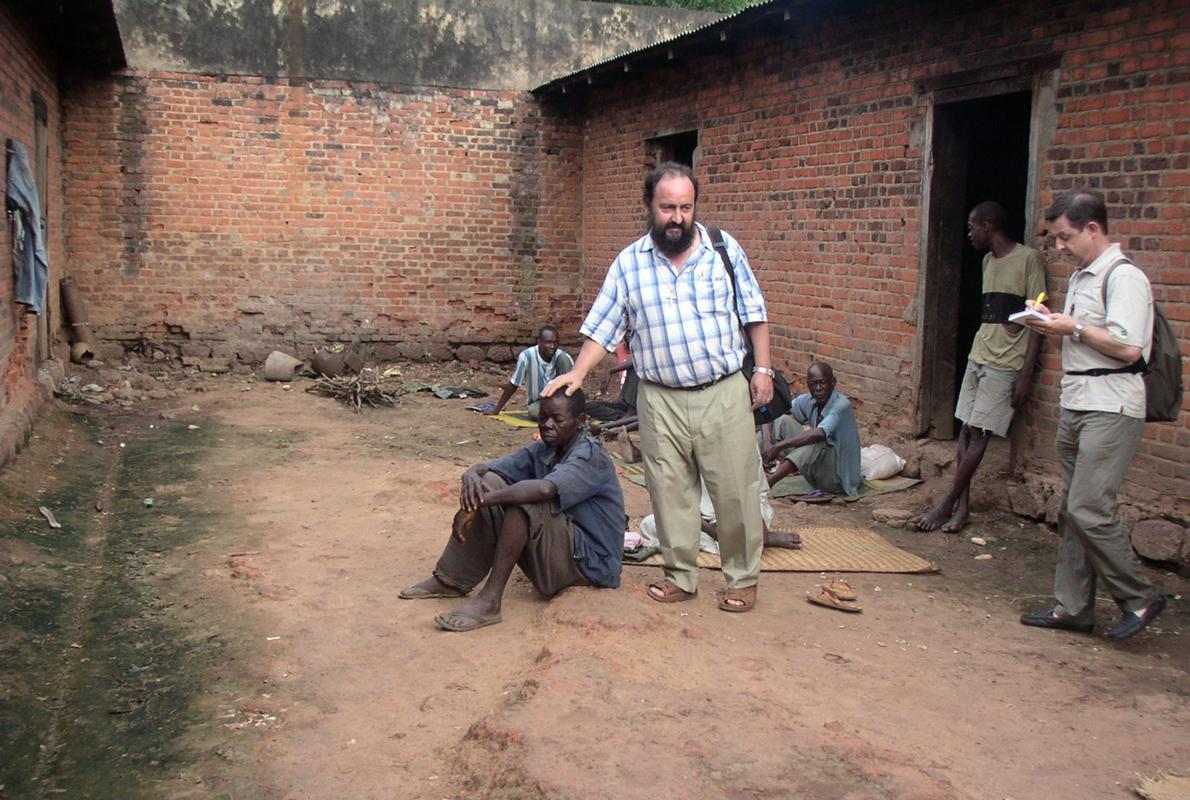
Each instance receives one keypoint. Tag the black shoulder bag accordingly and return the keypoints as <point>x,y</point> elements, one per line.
<point>782,400</point>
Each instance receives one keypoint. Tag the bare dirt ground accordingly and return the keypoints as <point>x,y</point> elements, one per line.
<point>241,637</point>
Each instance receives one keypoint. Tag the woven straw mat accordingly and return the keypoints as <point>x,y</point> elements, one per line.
<point>827,550</point>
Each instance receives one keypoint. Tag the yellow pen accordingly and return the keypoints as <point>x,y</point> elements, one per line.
<point>1041,298</point>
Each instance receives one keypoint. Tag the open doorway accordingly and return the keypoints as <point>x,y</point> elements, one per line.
<point>980,151</point>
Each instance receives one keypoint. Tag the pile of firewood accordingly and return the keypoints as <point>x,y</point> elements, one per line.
<point>369,387</point>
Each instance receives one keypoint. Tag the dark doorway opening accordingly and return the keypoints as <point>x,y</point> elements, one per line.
<point>980,152</point>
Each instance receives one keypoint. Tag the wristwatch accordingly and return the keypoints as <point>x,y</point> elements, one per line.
<point>772,373</point>
<point>1077,333</point>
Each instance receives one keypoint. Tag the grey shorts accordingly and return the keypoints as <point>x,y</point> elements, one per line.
<point>985,401</point>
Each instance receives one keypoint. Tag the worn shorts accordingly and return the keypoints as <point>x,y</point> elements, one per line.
<point>985,401</point>
<point>548,557</point>
<point>547,560</point>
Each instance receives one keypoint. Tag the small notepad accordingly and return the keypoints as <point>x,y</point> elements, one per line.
<point>1026,314</point>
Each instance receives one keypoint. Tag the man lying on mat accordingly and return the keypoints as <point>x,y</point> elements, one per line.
<point>554,508</point>
<point>827,451</point>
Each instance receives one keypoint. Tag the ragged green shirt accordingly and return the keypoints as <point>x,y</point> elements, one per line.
<point>1021,273</point>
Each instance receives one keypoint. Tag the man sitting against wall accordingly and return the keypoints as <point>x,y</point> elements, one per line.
<point>818,438</point>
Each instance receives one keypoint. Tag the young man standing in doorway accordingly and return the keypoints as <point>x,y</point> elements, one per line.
<point>1002,362</point>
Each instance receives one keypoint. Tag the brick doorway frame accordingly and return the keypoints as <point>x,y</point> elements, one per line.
<point>941,237</point>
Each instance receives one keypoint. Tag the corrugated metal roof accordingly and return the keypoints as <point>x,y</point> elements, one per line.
<point>690,34</point>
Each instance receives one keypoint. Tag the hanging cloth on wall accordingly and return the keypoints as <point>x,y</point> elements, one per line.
<point>31,265</point>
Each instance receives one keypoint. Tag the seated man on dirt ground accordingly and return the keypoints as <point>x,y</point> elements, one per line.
<point>535,367</point>
<point>554,508</point>
<point>706,510</point>
<point>827,453</point>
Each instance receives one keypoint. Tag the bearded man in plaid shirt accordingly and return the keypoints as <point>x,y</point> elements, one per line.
<point>695,404</point>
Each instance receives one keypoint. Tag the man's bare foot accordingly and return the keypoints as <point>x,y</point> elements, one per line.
<point>429,589</point>
<point>933,519</point>
<point>958,520</point>
<point>785,539</point>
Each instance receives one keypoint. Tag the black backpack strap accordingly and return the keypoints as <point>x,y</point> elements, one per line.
<point>1107,274</point>
<point>721,248</point>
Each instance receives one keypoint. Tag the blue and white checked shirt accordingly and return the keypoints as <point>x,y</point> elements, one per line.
<point>684,326</point>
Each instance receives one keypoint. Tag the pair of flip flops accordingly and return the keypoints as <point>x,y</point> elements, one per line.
<point>835,593</point>
<point>457,620</point>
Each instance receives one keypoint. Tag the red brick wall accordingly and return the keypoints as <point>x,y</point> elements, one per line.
<point>812,155</point>
<point>236,214</point>
<point>27,65</point>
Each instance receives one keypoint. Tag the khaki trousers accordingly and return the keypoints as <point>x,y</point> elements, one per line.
<point>1095,449</point>
<point>707,432</point>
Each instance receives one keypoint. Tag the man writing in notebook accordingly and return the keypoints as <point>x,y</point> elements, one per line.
<point>1103,329</point>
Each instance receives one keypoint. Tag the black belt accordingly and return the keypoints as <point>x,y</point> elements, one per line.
<point>706,385</point>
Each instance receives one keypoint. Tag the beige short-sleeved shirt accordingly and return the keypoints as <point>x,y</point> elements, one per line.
<point>1021,272</point>
<point>1128,318</point>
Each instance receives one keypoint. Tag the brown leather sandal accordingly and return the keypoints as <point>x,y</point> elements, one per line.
<point>745,600</point>
<point>670,592</point>
<point>840,589</point>
<point>827,598</point>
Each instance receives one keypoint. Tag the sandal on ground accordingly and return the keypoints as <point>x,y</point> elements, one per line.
<point>463,621</point>
<point>825,598</point>
<point>840,589</point>
<point>670,592</point>
<point>745,600</point>
<point>416,592</point>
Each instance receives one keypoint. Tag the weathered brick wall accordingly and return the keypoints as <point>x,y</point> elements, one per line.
<point>232,215</point>
<point>812,155</point>
<point>27,66</point>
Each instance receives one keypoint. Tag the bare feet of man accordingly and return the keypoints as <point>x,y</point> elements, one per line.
<point>783,539</point>
<point>933,519</point>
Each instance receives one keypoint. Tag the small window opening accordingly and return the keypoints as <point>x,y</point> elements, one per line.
<point>680,147</point>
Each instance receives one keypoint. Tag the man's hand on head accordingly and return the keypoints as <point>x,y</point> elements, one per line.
<point>569,381</point>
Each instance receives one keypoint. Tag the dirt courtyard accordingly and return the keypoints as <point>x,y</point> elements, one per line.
<point>218,618</point>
